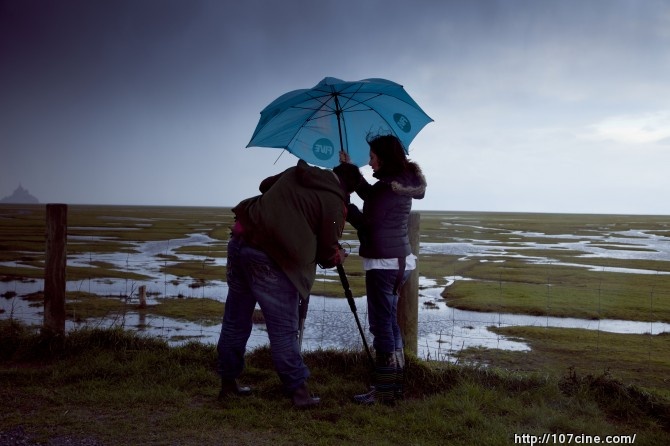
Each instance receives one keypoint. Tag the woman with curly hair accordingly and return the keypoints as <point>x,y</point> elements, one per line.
<point>382,228</point>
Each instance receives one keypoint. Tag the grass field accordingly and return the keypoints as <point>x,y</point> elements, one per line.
<point>114,388</point>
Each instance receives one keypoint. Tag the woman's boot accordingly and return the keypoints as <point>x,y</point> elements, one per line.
<point>384,382</point>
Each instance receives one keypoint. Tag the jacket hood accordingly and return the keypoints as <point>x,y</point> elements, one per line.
<point>411,183</point>
<point>313,177</point>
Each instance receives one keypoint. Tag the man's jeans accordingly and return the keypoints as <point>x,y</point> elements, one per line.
<point>383,309</point>
<point>253,277</point>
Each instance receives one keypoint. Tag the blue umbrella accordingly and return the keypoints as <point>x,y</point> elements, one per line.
<point>316,123</point>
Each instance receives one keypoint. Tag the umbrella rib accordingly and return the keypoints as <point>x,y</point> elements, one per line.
<point>314,110</point>
<point>343,108</point>
<point>320,100</point>
<point>409,102</point>
<point>348,108</point>
<point>350,97</point>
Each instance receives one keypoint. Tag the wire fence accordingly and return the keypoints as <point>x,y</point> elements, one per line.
<point>443,331</point>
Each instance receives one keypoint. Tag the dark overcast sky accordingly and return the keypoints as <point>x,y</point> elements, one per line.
<point>544,106</point>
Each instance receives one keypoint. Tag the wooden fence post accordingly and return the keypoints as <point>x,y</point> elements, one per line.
<point>143,296</point>
<point>408,302</point>
<point>54,269</point>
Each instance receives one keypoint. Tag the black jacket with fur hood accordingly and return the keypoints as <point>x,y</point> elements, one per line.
<point>382,226</point>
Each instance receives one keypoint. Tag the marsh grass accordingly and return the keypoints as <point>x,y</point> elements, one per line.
<point>201,271</point>
<point>207,312</point>
<point>640,359</point>
<point>619,297</point>
<point>121,388</point>
<point>79,273</point>
<point>81,306</point>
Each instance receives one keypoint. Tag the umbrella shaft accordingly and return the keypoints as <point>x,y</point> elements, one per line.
<point>338,113</point>
<point>352,305</point>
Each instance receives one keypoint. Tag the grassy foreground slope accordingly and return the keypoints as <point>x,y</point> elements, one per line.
<point>119,388</point>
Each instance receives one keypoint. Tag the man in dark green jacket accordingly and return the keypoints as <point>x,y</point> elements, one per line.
<point>278,239</point>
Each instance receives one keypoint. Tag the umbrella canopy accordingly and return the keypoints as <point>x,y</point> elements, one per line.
<point>316,123</point>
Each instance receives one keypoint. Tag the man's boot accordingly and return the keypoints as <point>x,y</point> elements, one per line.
<point>230,387</point>
<point>384,382</point>
<point>399,374</point>
<point>302,399</point>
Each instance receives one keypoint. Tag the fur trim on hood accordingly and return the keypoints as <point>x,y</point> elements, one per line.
<point>411,183</point>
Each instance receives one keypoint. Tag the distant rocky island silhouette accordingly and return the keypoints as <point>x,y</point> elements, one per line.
<point>20,195</point>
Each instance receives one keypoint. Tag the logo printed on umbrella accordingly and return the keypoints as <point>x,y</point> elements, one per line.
<point>402,122</point>
<point>323,149</point>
